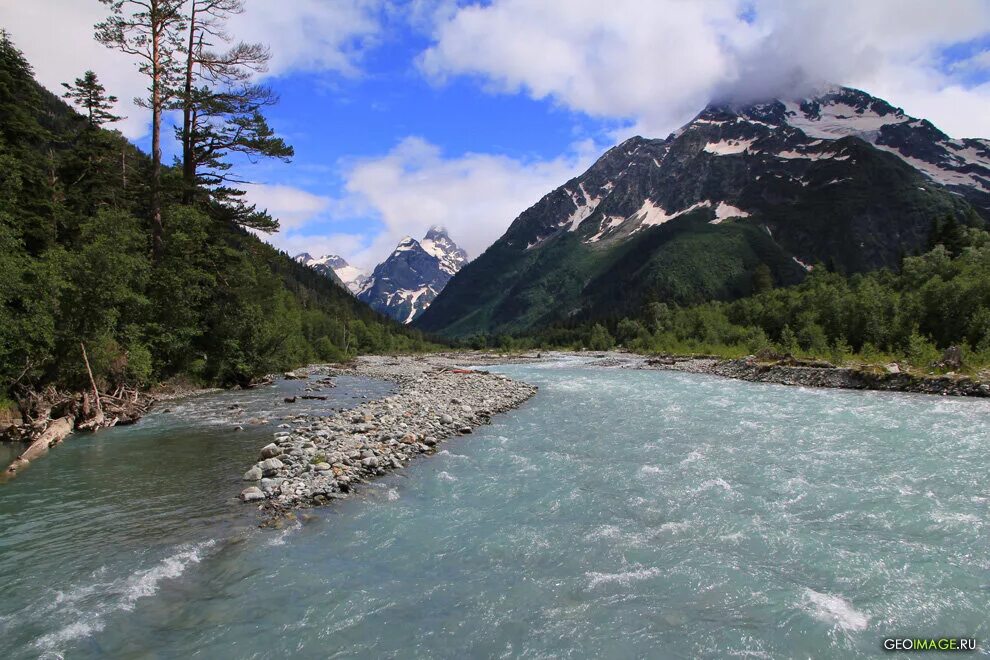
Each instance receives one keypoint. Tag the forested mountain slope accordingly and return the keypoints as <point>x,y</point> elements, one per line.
<point>76,267</point>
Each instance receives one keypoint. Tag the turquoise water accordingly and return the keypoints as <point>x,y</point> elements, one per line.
<point>618,514</point>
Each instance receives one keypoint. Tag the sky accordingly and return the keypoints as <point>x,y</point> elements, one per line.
<point>408,114</point>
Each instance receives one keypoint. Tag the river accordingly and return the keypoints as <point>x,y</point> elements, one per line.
<point>618,513</point>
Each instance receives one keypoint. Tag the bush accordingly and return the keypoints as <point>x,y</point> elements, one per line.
<point>600,339</point>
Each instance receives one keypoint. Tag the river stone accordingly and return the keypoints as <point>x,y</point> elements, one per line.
<point>270,466</point>
<point>270,451</point>
<point>323,467</point>
<point>251,494</point>
<point>446,419</point>
<point>371,462</point>
<point>253,474</point>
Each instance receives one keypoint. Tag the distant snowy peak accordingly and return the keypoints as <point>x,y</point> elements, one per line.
<point>352,277</point>
<point>405,284</point>
<point>438,243</point>
<point>841,112</point>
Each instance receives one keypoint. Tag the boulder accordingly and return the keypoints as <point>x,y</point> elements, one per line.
<point>322,467</point>
<point>951,359</point>
<point>270,451</point>
<point>270,466</point>
<point>252,494</point>
<point>254,474</point>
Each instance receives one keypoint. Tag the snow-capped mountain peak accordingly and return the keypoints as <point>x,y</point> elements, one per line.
<point>352,277</point>
<point>405,284</point>
<point>438,243</point>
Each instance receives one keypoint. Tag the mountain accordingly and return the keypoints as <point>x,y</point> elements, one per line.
<point>842,179</point>
<point>336,268</point>
<point>408,281</point>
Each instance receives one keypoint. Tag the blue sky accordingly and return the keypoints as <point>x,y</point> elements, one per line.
<point>406,114</point>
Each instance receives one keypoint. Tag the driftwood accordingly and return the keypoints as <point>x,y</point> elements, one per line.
<point>98,420</point>
<point>54,434</point>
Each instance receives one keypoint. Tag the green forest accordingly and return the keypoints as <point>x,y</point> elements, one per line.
<point>153,268</point>
<point>934,301</point>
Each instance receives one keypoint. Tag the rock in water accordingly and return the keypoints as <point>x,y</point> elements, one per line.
<point>254,474</point>
<point>252,494</point>
<point>270,451</point>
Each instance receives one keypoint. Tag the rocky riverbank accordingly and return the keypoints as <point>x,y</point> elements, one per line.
<point>808,373</point>
<point>318,459</point>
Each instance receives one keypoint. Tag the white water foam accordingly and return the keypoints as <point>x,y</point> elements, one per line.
<point>120,595</point>
<point>835,610</point>
<point>283,534</point>
<point>596,579</point>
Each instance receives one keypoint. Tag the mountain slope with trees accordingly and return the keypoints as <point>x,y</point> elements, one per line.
<point>101,246</point>
<point>742,197</point>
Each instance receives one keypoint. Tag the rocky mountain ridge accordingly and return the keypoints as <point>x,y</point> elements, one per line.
<point>842,179</point>
<point>409,280</point>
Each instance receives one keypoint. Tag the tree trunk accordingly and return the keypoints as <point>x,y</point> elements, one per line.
<point>188,167</point>
<point>54,434</point>
<point>157,227</point>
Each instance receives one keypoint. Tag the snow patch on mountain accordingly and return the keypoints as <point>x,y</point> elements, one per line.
<point>584,206</point>
<point>729,147</point>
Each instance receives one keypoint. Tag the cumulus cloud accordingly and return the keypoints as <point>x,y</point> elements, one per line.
<point>311,35</point>
<point>655,62</point>
<point>475,196</point>
<point>293,206</point>
<point>405,191</point>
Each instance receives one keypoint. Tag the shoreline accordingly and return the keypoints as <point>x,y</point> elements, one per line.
<point>322,459</point>
<point>808,373</point>
<point>784,370</point>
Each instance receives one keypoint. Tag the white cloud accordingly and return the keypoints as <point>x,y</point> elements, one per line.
<point>656,62</point>
<point>413,186</point>
<point>293,207</point>
<point>313,35</point>
<point>57,39</point>
<point>475,196</point>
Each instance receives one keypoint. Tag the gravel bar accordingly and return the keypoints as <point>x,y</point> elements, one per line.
<point>316,460</point>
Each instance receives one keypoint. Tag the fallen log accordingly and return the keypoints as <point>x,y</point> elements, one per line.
<point>56,432</point>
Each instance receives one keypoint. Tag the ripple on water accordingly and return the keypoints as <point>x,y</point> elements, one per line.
<point>616,513</point>
<point>90,604</point>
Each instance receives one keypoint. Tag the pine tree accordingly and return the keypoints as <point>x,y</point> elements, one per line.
<point>88,94</point>
<point>149,30</point>
<point>762,278</point>
<point>222,113</point>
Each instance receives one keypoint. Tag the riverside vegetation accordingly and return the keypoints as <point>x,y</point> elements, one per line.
<point>930,316</point>
<point>151,270</point>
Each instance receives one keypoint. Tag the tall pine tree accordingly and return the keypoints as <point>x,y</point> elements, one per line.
<point>149,30</point>
<point>88,94</point>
